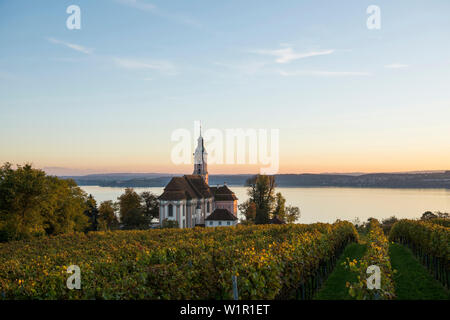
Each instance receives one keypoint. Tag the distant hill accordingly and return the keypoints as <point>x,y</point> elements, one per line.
<point>373,180</point>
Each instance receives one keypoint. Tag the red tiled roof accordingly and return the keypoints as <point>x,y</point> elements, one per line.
<point>223,193</point>
<point>186,187</point>
<point>221,214</point>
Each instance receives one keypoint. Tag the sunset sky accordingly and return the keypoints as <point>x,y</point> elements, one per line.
<point>107,97</point>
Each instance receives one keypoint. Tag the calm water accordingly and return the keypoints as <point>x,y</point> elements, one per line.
<point>329,204</point>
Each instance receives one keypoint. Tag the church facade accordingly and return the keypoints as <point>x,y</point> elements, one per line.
<point>190,201</point>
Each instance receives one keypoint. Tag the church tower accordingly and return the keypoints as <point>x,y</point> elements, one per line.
<point>200,164</point>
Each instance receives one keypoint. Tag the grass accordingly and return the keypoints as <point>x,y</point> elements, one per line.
<point>412,281</point>
<point>334,287</point>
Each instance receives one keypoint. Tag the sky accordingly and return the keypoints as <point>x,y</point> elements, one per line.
<point>108,97</point>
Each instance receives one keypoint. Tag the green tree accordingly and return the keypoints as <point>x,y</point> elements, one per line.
<point>150,206</point>
<point>280,206</point>
<point>261,192</point>
<point>131,211</point>
<point>65,207</point>
<point>92,213</point>
<point>288,214</point>
<point>107,219</point>
<point>428,215</point>
<point>292,214</point>
<point>34,204</point>
<point>442,215</point>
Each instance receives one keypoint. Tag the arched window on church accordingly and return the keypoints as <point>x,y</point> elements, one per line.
<point>207,206</point>
<point>170,210</point>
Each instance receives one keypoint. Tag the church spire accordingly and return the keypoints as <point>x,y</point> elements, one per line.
<point>200,155</point>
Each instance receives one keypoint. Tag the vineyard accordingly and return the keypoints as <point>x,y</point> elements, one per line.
<point>292,261</point>
<point>377,254</point>
<point>270,262</point>
<point>430,243</point>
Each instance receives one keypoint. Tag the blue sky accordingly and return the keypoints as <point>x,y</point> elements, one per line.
<point>107,97</point>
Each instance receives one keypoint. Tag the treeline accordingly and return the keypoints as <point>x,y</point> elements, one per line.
<point>438,217</point>
<point>33,204</point>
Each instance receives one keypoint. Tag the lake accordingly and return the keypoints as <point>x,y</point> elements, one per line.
<point>328,204</point>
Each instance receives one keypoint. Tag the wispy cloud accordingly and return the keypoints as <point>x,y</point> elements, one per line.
<point>72,46</point>
<point>149,7</point>
<point>164,67</point>
<point>138,4</point>
<point>324,73</point>
<point>396,66</point>
<point>286,55</point>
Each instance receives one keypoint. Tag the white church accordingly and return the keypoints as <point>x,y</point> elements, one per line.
<point>191,202</point>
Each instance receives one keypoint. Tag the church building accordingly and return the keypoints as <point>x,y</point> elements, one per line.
<point>190,201</point>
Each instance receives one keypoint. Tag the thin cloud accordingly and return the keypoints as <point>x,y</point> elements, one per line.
<point>135,64</point>
<point>287,55</point>
<point>324,73</point>
<point>138,4</point>
<point>396,66</point>
<point>149,7</point>
<point>72,46</point>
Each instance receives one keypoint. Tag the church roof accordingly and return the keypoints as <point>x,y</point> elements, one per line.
<point>197,182</point>
<point>221,214</point>
<point>186,188</point>
<point>223,193</point>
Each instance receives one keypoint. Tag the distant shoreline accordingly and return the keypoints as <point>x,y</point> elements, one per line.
<point>376,180</point>
<point>278,186</point>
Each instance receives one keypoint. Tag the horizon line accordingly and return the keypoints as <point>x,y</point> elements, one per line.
<point>249,173</point>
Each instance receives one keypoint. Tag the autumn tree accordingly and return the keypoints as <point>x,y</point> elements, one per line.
<point>107,219</point>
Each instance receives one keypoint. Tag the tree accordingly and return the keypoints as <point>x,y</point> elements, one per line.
<point>248,209</point>
<point>150,206</point>
<point>66,204</point>
<point>261,192</point>
<point>34,204</point>
<point>107,219</point>
<point>442,215</point>
<point>280,207</point>
<point>262,202</point>
<point>92,213</point>
<point>387,224</point>
<point>131,211</point>
<point>428,215</point>
<point>292,214</point>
